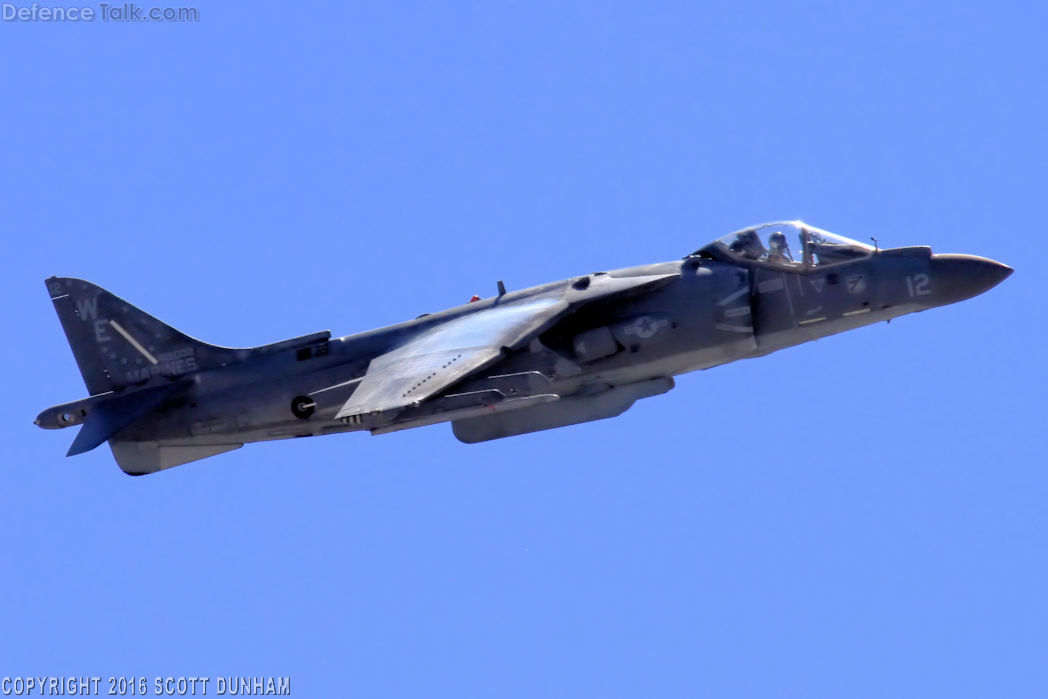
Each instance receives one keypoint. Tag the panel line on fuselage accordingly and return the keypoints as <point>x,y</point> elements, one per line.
<point>789,299</point>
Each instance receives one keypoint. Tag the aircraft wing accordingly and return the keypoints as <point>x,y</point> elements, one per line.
<point>439,356</point>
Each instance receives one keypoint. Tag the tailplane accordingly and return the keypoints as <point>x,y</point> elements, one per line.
<point>134,365</point>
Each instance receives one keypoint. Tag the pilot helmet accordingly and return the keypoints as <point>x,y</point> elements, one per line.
<point>777,241</point>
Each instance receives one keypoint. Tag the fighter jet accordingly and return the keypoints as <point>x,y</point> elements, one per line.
<point>563,353</point>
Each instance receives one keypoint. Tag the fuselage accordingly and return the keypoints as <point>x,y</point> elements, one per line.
<point>558,354</point>
<point>711,312</point>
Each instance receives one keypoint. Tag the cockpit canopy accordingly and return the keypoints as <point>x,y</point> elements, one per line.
<point>792,245</point>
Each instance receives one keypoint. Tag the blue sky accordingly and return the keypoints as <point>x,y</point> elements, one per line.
<point>861,516</point>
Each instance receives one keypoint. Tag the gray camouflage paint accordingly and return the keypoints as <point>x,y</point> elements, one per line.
<point>580,349</point>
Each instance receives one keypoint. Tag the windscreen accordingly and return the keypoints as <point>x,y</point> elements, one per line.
<point>787,245</point>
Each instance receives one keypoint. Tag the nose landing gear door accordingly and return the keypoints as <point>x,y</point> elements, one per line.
<point>732,312</point>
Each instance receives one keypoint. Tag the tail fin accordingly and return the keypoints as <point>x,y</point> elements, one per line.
<point>117,345</point>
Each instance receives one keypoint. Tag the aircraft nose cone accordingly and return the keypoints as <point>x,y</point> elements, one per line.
<point>960,277</point>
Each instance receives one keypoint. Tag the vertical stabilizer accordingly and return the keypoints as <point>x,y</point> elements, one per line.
<point>117,345</point>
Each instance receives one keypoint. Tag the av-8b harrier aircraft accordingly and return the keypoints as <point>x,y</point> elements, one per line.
<point>558,354</point>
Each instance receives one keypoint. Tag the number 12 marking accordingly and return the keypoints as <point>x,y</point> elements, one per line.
<point>918,285</point>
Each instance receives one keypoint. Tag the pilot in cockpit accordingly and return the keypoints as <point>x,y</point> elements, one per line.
<point>748,244</point>
<point>779,249</point>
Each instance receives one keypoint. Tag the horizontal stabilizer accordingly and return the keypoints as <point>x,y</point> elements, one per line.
<point>106,418</point>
